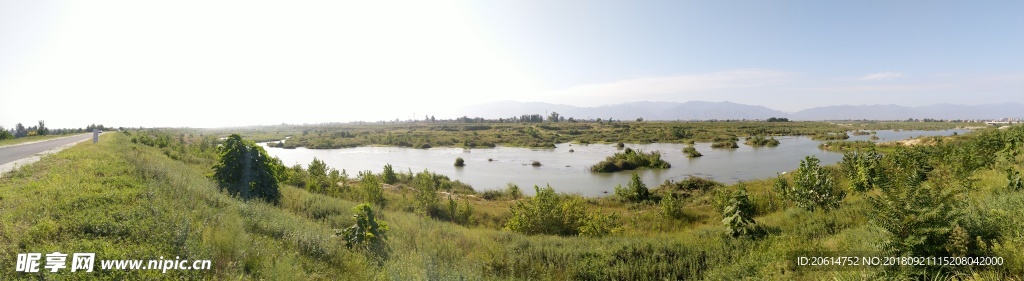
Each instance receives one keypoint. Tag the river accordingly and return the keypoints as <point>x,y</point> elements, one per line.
<point>493,168</point>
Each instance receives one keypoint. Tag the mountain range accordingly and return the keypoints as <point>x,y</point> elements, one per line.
<point>703,110</point>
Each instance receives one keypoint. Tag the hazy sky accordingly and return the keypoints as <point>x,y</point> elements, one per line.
<point>219,63</point>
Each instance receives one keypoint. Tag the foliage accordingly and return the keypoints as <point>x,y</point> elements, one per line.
<point>373,191</point>
<point>245,170</point>
<point>671,207</point>
<point>830,136</point>
<point>844,145</point>
<point>725,144</point>
<point>813,188</point>
<point>738,216</point>
<point>553,214</point>
<point>368,233</point>
<point>425,186</point>
<point>1013,178</point>
<point>630,159</point>
<point>459,162</point>
<point>460,213</point>
<point>635,190</point>
<point>388,175</point>
<point>511,192</point>
<point>863,169</point>
<point>691,152</point>
<point>917,218</point>
<point>762,141</point>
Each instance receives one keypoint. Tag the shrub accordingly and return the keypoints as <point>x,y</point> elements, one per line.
<point>535,163</point>
<point>918,218</point>
<point>762,141</point>
<point>245,170</point>
<point>553,214</point>
<point>367,233</point>
<point>813,187</point>
<point>372,189</point>
<point>738,216</point>
<point>459,162</point>
<point>630,159</point>
<point>635,191</point>
<point>671,207</point>
<point>725,144</point>
<point>691,152</point>
<point>513,192</point>
<point>863,169</point>
<point>389,175</point>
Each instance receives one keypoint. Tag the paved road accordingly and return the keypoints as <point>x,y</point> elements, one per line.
<point>20,151</point>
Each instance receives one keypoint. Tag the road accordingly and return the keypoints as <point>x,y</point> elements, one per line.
<point>20,151</point>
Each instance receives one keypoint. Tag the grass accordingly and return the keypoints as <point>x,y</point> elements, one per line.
<point>126,200</point>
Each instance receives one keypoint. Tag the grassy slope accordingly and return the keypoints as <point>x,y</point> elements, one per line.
<point>31,139</point>
<point>128,201</point>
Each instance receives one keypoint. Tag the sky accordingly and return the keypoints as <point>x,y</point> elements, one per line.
<point>236,63</point>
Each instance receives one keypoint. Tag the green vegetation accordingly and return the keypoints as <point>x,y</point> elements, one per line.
<point>762,141</point>
<point>850,145</point>
<point>635,190</point>
<point>553,214</point>
<point>738,216</point>
<point>459,162</point>
<point>146,194</point>
<point>481,133</point>
<point>245,170</point>
<point>725,142</point>
<point>630,159</point>
<point>367,234</point>
<point>830,136</point>
<point>814,187</point>
<point>691,152</point>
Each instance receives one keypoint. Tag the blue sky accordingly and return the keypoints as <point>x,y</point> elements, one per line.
<point>178,63</point>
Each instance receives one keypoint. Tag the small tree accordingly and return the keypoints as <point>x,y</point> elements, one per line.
<point>738,216</point>
<point>367,233</point>
<point>389,174</point>
<point>813,187</point>
<point>318,180</point>
<point>372,189</point>
<point>459,162</point>
<point>671,206</point>
<point>245,170</point>
<point>635,191</point>
<point>863,169</point>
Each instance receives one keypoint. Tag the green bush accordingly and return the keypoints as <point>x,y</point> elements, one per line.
<point>245,170</point>
<point>813,187</point>
<point>373,192</point>
<point>691,152</point>
<point>762,141</point>
<point>635,191</point>
<point>459,162</point>
<point>388,175</point>
<point>630,159</point>
<point>738,216</point>
<point>671,207</point>
<point>863,169</point>
<point>367,234</point>
<point>554,214</point>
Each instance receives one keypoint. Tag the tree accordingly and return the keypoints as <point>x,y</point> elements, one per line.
<point>318,180</point>
<point>918,218</point>
<point>42,130</point>
<point>553,117</point>
<point>20,131</point>
<point>388,175</point>
<point>738,216</point>
<point>635,191</point>
<point>672,206</point>
<point>245,170</point>
<point>367,233</point>
<point>372,189</point>
<point>4,134</point>
<point>863,169</point>
<point>426,186</point>
<point>813,187</point>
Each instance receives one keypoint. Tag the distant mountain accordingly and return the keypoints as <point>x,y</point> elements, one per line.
<point>702,110</point>
<point>692,110</point>
<point>897,112</point>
